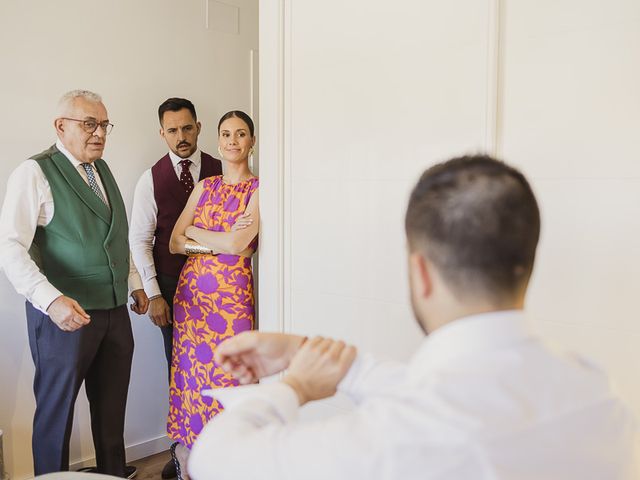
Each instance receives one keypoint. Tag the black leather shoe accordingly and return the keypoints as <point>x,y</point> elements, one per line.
<point>169,470</point>
<point>88,469</point>
<point>129,471</point>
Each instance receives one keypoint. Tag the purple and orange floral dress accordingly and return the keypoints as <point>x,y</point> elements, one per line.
<point>213,301</point>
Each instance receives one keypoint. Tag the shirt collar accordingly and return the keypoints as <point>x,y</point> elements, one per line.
<point>468,337</point>
<point>195,158</point>
<point>74,161</point>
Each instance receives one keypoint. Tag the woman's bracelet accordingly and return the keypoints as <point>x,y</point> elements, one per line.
<point>193,248</point>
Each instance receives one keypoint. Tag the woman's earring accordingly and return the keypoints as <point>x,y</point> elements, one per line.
<point>220,151</point>
<point>251,151</point>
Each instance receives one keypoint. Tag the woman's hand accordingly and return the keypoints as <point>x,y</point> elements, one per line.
<point>243,221</point>
<point>188,232</point>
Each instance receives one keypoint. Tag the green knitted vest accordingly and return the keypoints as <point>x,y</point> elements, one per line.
<point>84,250</point>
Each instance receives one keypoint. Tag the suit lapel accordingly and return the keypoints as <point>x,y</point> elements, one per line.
<point>111,189</point>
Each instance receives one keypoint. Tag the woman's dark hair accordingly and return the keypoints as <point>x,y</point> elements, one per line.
<point>175,105</point>
<point>238,114</point>
<point>477,220</point>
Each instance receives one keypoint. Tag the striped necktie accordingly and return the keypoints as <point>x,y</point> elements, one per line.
<point>92,182</point>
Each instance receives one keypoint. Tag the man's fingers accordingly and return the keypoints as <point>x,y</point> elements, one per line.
<point>325,345</point>
<point>74,322</point>
<point>76,306</point>
<point>227,366</point>
<point>313,343</point>
<point>159,312</point>
<point>335,349</point>
<point>347,357</point>
<point>67,327</point>
<point>67,314</point>
<point>80,319</point>
<point>247,379</point>
<point>243,342</point>
<point>161,319</point>
<point>246,375</point>
<point>239,370</point>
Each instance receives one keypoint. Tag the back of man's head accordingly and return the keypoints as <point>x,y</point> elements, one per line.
<point>477,220</point>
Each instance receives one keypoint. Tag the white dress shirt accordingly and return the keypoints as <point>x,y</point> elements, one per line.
<point>144,219</point>
<point>482,399</point>
<point>28,204</point>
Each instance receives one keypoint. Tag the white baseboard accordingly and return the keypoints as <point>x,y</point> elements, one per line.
<point>133,452</point>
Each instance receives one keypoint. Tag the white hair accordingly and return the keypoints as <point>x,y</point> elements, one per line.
<point>66,101</point>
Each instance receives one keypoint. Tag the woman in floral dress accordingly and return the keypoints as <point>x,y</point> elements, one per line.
<point>214,299</point>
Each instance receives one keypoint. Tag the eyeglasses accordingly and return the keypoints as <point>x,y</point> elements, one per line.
<point>91,126</point>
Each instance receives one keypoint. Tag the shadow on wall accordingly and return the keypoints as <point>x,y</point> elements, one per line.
<point>16,395</point>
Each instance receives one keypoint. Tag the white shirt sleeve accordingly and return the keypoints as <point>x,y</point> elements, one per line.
<point>134,280</point>
<point>142,232</point>
<point>259,438</point>
<point>369,375</point>
<point>24,209</point>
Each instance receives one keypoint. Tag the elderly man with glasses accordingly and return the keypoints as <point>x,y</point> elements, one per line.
<point>63,245</point>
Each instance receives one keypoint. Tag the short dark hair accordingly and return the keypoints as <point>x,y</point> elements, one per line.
<point>175,105</point>
<point>478,221</point>
<point>238,114</point>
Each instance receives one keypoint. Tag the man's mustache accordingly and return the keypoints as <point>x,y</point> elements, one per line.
<point>183,144</point>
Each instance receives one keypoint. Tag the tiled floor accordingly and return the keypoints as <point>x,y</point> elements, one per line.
<point>151,467</point>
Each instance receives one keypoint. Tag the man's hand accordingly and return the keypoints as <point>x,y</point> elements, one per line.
<point>67,314</point>
<point>140,301</point>
<point>159,312</point>
<point>243,221</point>
<point>252,355</point>
<point>318,367</point>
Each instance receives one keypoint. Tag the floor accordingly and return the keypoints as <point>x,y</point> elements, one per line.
<point>151,467</point>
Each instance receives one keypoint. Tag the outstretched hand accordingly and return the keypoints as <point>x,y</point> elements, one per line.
<point>250,356</point>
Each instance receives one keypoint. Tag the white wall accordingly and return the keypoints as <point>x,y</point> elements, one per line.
<point>361,96</point>
<point>571,120</point>
<point>369,94</point>
<point>136,54</point>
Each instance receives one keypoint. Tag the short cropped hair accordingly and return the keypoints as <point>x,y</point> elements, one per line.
<point>68,98</point>
<point>175,105</point>
<point>478,221</point>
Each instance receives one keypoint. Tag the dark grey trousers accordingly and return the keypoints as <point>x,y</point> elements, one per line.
<point>168,287</point>
<point>99,354</point>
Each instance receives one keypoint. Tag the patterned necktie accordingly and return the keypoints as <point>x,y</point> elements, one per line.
<point>186,179</point>
<point>92,182</point>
